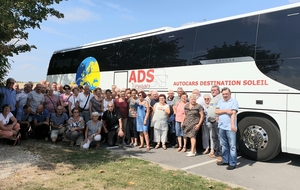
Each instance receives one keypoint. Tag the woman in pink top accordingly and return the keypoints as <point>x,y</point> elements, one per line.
<point>64,98</point>
<point>179,111</point>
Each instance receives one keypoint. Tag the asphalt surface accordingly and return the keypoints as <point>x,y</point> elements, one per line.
<point>280,173</point>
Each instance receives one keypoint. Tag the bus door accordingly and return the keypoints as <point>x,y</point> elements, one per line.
<point>120,79</point>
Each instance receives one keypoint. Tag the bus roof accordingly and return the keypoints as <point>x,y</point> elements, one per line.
<point>170,29</point>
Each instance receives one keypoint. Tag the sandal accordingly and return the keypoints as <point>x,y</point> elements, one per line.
<point>148,147</point>
<point>183,149</point>
<point>164,147</point>
<point>206,151</point>
<point>179,149</point>
<point>142,146</point>
<point>157,146</point>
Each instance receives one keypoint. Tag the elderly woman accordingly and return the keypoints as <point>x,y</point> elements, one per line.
<point>64,98</point>
<point>192,120</point>
<point>207,140</point>
<point>142,119</point>
<point>179,112</point>
<point>161,112</point>
<point>96,102</point>
<point>121,104</point>
<point>51,101</point>
<point>131,121</point>
<point>8,130</point>
<point>75,128</point>
<point>72,100</point>
<point>92,131</point>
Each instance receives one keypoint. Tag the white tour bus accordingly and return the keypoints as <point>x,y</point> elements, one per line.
<point>256,55</point>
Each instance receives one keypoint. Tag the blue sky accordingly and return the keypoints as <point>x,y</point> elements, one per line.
<point>92,20</point>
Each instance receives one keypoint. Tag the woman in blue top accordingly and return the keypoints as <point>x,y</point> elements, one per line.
<point>142,119</point>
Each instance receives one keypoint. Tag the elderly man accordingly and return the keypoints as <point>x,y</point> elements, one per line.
<point>199,99</point>
<point>8,96</point>
<point>112,122</point>
<point>22,97</point>
<point>179,93</point>
<point>227,110</point>
<point>35,98</point>
<point>41,123</point>
<point>83,103</point>
<point>58,123</point>
<point>212,117</point>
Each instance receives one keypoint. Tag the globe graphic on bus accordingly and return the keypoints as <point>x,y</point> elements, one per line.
<point>88,73</point>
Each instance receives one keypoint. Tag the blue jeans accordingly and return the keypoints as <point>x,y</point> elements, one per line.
<point>178,129</point>
<point>228,143</point>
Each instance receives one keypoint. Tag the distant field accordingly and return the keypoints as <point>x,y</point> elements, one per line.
<point>21,84</point>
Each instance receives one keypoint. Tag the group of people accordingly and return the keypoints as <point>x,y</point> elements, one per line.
<point>123,117</point>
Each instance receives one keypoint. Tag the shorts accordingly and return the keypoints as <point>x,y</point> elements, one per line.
<point>178,129</point>
<point>56,132</point>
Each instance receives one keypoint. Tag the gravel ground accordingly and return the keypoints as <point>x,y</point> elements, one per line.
<point>15,158</point>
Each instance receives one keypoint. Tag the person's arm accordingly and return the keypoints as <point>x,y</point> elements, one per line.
<point>86,134</point>
<point>69,108</point>
<point>104,125</point>
<point>219,111</point>
<point>14,120</point>
<point>201,113</point>
<point>90,109</point>
<point>232,121</point>
<point>61,99</point>
<point>147,113</point>
<point>183,118</point>
<point>28,101</point>
<point>4,128</point>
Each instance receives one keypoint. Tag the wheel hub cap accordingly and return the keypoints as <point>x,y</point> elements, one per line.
<point>255,138</point>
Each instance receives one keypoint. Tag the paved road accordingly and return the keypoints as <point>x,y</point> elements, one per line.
<point>280,173</point>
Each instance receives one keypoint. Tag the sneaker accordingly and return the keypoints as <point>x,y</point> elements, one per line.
<point>222,164</point>
<point>230,167</point>
<point>190,154</point>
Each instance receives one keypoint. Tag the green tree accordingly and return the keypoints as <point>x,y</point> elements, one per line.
<point>15,17</point>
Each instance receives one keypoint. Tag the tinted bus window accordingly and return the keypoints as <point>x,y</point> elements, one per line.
<point>172,49</point>
<point>278,46</point>
<point>64,63</point>
<point>234,38</point>
<point>106,56</point>
<point>134,54</point>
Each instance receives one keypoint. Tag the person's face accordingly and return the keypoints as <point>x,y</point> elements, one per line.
<point>206,100</point>
<point>39,109</point>
<point>179,92</point>
<point>196,93</point>
<point>28,110</point>
<point>27,89</point>
<point>154,96</point>
<point>193,101</point>
<point>50,92</point>
<point>141,96</point>
<point>6,109</point>
<point>161,99</point>
<point>11,83</point>
<point>76,112</point>
<point>16,86</point>
<point>122,95</point>
<point>214,92</point>
<point>86,89</point>
<point>60,88</point>
<point>95,117</point>
<point>113,94</point>
<point>59,110</point>
<point>68,90</point>
<point>113,88</point>
<point>108,94</point>
<point>98,93</point>
<point>47,84</point>
<point>110,107</point>
<point>226,95</point>
<point>54,86</point>
<point>171,94</point>
<point>76,92</point>
<point>133,94</point>
<point>43,89</point>
<point>183,98</point>
<point>128,94</point>
<point>38,88</point>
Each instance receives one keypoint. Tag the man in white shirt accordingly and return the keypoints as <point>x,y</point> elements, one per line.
<point>199,99</point>
<point>83,103</point>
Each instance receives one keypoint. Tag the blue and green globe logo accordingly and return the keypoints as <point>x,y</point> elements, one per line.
<point>88,73</point>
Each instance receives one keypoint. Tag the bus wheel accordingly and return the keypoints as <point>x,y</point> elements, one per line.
<point>259,138</point>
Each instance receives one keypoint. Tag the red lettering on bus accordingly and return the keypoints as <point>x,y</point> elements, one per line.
<point>141,76</point>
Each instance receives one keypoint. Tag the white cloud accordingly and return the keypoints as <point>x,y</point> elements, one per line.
<point>76,15</point>
<point>293,1</point>
<point>88,2</point>
<point>54,31</point>
<point>118,7</point>
<point>128,17</point>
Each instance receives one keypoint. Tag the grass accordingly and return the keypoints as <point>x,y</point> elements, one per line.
<point>72,168</point>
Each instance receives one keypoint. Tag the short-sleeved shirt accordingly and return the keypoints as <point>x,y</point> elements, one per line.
<point>96,105</point>
<point>112,119</point>
<point>225,119</point>
<point>6,119</point>
<point>73,101</point>
<point>51,103</point>
<point>9,97</point>
<point>93,128</point>
<point>211,115</point>
<point>122,107</point>
<point>22,116</point>
<point>84,100</point>
<point>58,120</point>
<point>36,99</point>
<point>41,117</point>
<point>170,102</point>
<point>21,99</point>
<point>179,111</point>
<point>65,99</point>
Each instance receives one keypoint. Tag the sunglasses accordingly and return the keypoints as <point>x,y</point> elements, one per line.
<point>206,98</point>
<point>11,83</point>
<point>76,112</point>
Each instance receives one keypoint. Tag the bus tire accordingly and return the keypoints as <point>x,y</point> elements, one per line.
<point>259,138</point>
